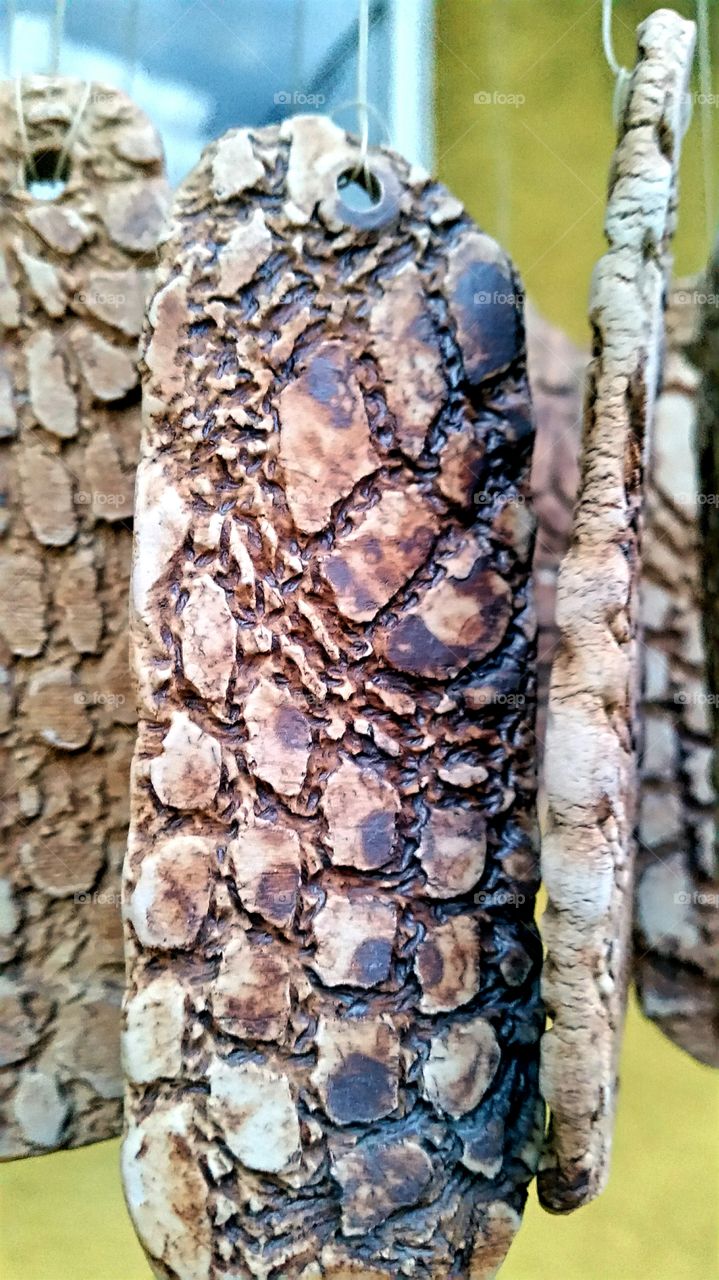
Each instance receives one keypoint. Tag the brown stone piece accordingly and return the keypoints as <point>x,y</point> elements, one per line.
<point>590,763</point>
<point>71,300</point>
<point>331,866</point>
<point>557,367</point>
<point>676,983</point>
<point>676,909</point>
<point>676,889</point>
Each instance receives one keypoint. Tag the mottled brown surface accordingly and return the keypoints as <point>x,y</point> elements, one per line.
<point>590,756</point>
<point>706,356</point>
<point>676,962</point>
<point>330,879</point>
<point>556,368</point>
<point>676,897</point>
<point>71,291</point>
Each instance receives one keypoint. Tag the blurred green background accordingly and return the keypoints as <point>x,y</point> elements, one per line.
<point>534,174</point>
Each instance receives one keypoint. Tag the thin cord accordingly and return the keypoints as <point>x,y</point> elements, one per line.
<point>9,34</point>
<point>133,23</point>
<point>502,138</point>
<point>298,48</point>
<point>352,105</point>
<point>28,155</point>
<point>58,32</point>
<point>622,76</point>
<point>71,135</point>
<point>607,40</point>
<point>363,79</point>
<point>707,117</point>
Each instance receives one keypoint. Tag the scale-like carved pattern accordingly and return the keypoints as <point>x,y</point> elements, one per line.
<point>72,289</point>
<point>332,864</point>
<point>556,368</point>
<point>590,757</point>
<point>676,964</point>
<point>677,884</point>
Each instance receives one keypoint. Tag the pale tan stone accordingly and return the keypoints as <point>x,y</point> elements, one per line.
<point>155,1019</point>
<point>405,343</point>
<point>110,371</point>
<point>249,245</point>
<point>325,443</point>
<point>267,865</point>
<point>170,900</point>
<point>461,1065</point>
<point>360,807</point>
<point>280,739</point>
<point>208,639</point>
<point>187,773</point>
<point>355,937</point>
<point>447,964</point>
<point>452,851</point>
<point>254,1106</point>
<point>40,1109</point>
<point>52,399</point>
<point>235,166</point>
<point>175,1227</point>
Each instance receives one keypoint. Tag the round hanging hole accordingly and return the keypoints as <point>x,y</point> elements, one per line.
<point>47,174</point>
<point>360,190</point>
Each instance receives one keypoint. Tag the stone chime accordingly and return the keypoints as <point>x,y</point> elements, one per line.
<point>73,279</point>
<point>332,1051</point>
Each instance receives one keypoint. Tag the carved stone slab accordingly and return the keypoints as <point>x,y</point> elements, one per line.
<point>676,895</point>
<point>332,1015</point>
<point>556,368</point>
<point>73,275</point>
<point>590,759</point>
<point>677,891</point>
<point>706,357</point>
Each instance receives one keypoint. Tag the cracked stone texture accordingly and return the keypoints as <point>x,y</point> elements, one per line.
<point>332,862</point>
<point>676,965</point>
<point>590,753</point>
<point>556,368</point>
<point>71,300</point>
<point>706,356</point>
<point>677,886</point>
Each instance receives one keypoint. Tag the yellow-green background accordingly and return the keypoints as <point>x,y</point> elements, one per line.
<point>535,176</point>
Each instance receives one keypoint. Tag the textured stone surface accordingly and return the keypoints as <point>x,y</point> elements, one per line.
<point>590,758</point>
<point>706,356</point>
<point>68,710</point>
<point>360,986</point>
<point>556,368</point>
<point>676,966</point>
<point>676,892</point>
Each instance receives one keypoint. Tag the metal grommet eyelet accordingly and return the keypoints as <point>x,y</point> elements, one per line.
<point>381,189</point>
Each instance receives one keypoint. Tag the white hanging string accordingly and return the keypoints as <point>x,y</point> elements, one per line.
<point>22,129</point>
<point>706,114</point>
<point>58,35</point>
<point>298,49</point>
<point>133,24</point>
<point>9,35</point>
<point>502,134</point>
<point>361,104</point>
<point>363,80</point>
<point>72,133</point>
<point>621,74</point>
<point>58,31</point>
